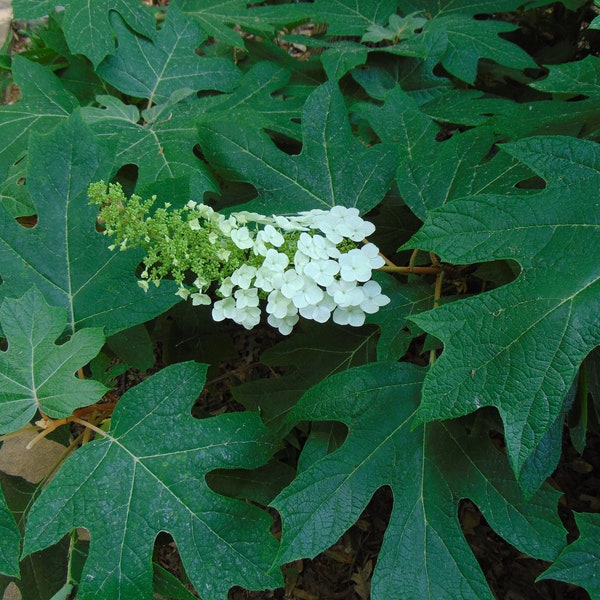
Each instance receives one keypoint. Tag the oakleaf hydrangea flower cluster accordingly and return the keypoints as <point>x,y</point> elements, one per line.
<point>313,264</point>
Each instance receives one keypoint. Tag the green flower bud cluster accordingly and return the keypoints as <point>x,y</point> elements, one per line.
<point>179,243</point>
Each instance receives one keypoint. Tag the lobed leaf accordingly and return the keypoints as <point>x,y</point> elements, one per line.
<point>136,482</point>
<point>161,147</point>
<point>218,17</point>
<point>10,541</point>
<point>353,17</point>
<point>87,26</point>
<point>519,346</point>
<point>579,562</point>
<point>424,553</point>
<point>431,173</point>
<point>45,103</point>
<point>333,167</point>
<point>35,372</point>
<point>155,69</point>
<point>64,255</point>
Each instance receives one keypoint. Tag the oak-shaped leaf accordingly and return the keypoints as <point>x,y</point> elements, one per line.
<point>147,475</point>
<point>256,100</point>
<point>405,299</point>
<point>10,541</point>
<point>162,148</point>
<point>424,552</point>
<point>155,69</point>
<point>218,17</point>
<point>44,104</point>
<point>352,17</point>
<point>518,347</point>
<point>35,372</point>
<point>87,25</point>
<point>309,355</point>
<point>333,167</point>
<point>64,255</point>
<point>467,40</point>
<point>431,173</point>
<point>579,562</point>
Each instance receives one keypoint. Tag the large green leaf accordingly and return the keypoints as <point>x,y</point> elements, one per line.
<point>424,553</point>
<point>35,372</point>
<point>44,573</point>
<point>44,104</point>
<point>572,79</point>
<point>10,541</point>
<point>406,299</point>
<point>579,562</point>
<point>64,255</point>
<point>156,69</point>
<point>87,24</point>
<point>162,147</point>
<point>432,173</point>
<point>467,40</point>
<point>255,101</point>
<point>136,481</point>
<point>470,40</point>
<point>353,17</point>
<point>309,355</point>
<point>217,17</point>
<point>333,167</point>
<point>519,346</point>
<point>451,7</point>
<point>519,119</point>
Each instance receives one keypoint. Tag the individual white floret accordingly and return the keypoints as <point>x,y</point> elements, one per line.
<point>201,284</point>
<point>345,293</point>
<point>182,292</point>
<point>292,283</point>
<point>248,317</point>
<point>199,299</point>
<point>270,274</point>
<point>355,228</point>
<point>226,287</point>
<point>284,324</point>
<point>223,254</point>
<point>276,261</point>
<point>245,216</point>
<point>243,276</point>
<point>320,312</point>
<point>260,247</point>
<point>322,271</point>
<point>355,266</point>
<point>194,224</point>
<point>224,309</point>
<point>279,306</point>
<point>300,261</point>
<point>206,211</point>
<point>371,251</point>
<point>246,298</point>
<point>288,224</point>
<point>242,238</point>
<point>226,225</point>
<point>351,315</point>
<point>310,294</point>
<point>373,298</point>
<point>272,236</point>
<point>315,247</point>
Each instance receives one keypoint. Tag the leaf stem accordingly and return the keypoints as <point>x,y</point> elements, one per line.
<point>437,294</point>
<point>411,270</point>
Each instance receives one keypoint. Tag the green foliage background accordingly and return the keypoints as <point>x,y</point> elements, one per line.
<point>466,131</point>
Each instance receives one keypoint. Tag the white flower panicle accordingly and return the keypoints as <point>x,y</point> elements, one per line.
<point>323,274</point>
